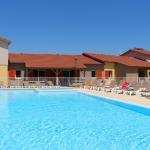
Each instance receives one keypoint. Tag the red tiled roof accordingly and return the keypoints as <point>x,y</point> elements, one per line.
<point>124,60</point>
<point>143,52</point>
<point>137,50</point>
<point>51,60</point>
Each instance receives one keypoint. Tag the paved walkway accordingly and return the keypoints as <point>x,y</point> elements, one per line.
<point>136,100</point>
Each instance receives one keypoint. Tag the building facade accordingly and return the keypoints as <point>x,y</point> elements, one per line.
<point>52,65</point>
<point>121,66</point>
<point>4,61</point>
<point>140,54</point>
<point>131,65</point>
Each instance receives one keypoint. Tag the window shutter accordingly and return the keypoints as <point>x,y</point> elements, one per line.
<point>106,74</point>
<point>12,73</point>
<point>99,73</point>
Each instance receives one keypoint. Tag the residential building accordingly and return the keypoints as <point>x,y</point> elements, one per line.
<point>52,65</point>
<point>141,54</point>
<point>131,65</point>
<point>121,66</point>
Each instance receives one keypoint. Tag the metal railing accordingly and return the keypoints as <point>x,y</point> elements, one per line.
<point>77,81</point>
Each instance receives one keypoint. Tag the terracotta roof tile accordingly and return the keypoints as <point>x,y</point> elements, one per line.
<point>138,50</point>
<point>142,52</point>
<point>125,60</point>
<point>51,60</point>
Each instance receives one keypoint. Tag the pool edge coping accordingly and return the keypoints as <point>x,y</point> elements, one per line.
<point>114,99</point>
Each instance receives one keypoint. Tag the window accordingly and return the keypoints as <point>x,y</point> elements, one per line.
<point>40,73</point>
<point>110,73</point>
<point>93,73</point>
<point>141,73</point>
<point>18,73</point>
<point>66,73</point>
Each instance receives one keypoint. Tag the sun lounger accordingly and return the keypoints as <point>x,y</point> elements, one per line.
<point>49,83</point>
<point>130,90</point>
<point>94,88</point>
<point>148,95</point>
<point>141,92</point>
<point>99,89</point>
<point>117,90</point>
<point>130,93</point>
<point>145,94</point>
<point>107,90</point>
<point>109,85</point>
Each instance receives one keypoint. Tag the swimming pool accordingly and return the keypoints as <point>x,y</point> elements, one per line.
<point>69,120</point>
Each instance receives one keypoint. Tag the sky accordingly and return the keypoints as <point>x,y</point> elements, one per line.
<point>75,26</point>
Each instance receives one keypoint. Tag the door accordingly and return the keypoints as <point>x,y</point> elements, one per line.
<point>141,73</point>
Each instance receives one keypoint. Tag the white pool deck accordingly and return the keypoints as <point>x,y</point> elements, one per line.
<point>134,100</point>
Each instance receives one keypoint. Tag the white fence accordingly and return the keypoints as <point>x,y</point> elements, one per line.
<point>76,81</point>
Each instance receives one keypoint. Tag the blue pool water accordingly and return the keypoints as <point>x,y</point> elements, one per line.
<point>68,120</point>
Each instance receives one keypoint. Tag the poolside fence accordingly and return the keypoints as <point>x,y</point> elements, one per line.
<point>77,81</point>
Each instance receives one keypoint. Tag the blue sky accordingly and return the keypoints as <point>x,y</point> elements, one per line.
<point>75,26</point>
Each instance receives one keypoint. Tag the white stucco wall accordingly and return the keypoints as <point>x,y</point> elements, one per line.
<point>3,62</point>
<point>3,56</point>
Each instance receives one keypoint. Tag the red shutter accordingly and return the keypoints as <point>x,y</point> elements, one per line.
<point>106,74</point>
<point>99,73</point>
<point>12,73</point>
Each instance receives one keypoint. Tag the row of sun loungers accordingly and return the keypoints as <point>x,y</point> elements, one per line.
<point>110,86</point>
<point>143,92</point>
